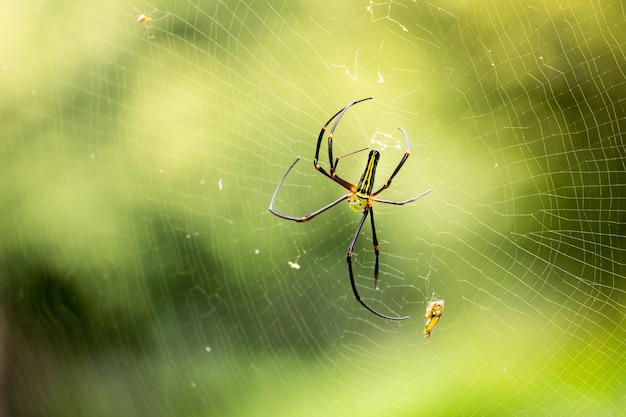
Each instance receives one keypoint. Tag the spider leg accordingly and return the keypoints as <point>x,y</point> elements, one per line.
<point>393,174</point>
<point>308,216</point>
<point>400,203</point>
<point>352,282</point>
<point>376,251</point>
<point>407,152</point>
<point>339,115</point>
<point>333,167</point>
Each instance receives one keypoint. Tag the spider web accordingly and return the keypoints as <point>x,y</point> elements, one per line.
<point>142,273</point>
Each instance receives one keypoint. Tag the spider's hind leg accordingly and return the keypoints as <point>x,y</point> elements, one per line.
<point>352,281</point>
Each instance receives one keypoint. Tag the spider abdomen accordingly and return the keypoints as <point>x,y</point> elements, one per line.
<point>359,200</point>
<point>366,183</point>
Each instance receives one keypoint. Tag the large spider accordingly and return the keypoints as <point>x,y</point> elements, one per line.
<point>360,197</point>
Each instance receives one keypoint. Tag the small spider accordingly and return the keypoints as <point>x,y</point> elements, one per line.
<point>433,314</point>
<point>148,21</point>
<point>361,196</point>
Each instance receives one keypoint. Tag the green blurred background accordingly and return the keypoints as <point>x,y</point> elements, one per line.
<point>142,274</point>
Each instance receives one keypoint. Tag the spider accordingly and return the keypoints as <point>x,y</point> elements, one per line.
<point>148,21</point>
<point>360,197</point>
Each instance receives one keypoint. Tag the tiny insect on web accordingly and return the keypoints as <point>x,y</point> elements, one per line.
<point>360,197</point>
<point>433,315</point>
<point>148,21</point>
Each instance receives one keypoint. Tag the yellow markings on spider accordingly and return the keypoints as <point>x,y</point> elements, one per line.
<point>360,198</point>
<point>433,314</point>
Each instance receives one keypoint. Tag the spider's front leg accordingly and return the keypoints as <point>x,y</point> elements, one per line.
<point>306,217</point>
